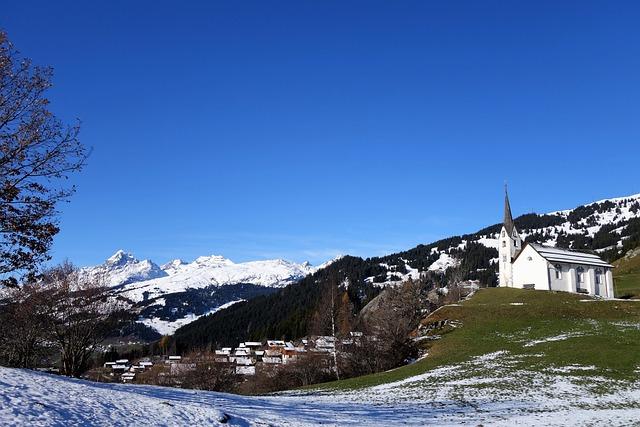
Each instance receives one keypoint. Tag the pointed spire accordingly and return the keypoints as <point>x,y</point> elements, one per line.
<point>508,218</point>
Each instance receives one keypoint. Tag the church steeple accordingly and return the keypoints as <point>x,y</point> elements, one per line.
<point>508,218</point>
<point>509,244</point>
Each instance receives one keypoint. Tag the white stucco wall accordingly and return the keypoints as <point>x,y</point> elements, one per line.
<point>530,268</point>
<point>542,273</point>
<point>564,282</point>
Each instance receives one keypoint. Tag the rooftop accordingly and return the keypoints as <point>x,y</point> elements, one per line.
<point>553,254</point>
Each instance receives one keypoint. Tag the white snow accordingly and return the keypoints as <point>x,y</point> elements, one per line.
<point>217,271</point>
<point>488,389</point>
<point>123,267</point>
<point>168,327</point>
<point>560,337</point>
<point>443,263</point>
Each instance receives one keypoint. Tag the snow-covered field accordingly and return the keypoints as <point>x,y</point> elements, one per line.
<point>487,390</point>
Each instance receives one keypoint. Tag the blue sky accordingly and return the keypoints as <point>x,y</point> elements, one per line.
<point>306,129</point>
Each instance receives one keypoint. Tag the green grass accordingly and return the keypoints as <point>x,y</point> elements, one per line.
<point>603,334</point>
<point>628,285</point>
<point>627,276</point>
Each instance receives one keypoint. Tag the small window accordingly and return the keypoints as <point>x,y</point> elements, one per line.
<point>504,243</point>
<point>598,277</point>
<point>515,234</point>
<point>504,258</point>
<point>502,233</point>
<point>558,271</point>
<point>529,259</point>
<point>580,272</point>
<point>515,242</point>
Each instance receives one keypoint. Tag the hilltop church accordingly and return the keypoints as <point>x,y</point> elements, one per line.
<point>534,266</point>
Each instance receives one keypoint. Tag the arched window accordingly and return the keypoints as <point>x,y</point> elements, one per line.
<point>558,271</point>
<point>580,274</point>
<point>515,242</point>
<point>598,276</point>
<point>502,233</point>
<point>504,243</point>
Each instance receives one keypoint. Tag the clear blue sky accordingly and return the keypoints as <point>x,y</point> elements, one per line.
<point>306,129</point>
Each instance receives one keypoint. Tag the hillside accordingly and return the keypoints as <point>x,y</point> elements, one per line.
<point>627,275</point>
<point>608,227</point>
<point>533,331</point>
<point>514,357</point>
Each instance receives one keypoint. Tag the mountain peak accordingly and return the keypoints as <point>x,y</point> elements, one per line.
<point>120,258</point>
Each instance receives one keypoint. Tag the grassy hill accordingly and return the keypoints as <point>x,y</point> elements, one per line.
<point>531,333</point>
<point>627,275</point>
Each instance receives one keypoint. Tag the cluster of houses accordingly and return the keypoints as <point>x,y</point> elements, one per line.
<point>245,358</point>
<point>250,354</point>
<point>127,371</point>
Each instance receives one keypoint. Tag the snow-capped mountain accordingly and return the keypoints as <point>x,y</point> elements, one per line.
<point>215,270</point>
<point>123,268</point>
<point>179,292</point>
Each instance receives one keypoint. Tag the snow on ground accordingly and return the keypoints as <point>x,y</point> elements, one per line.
<point>490,390</point>
<point>443,263</point>
<point>168,327</point>
<point>561,337</point>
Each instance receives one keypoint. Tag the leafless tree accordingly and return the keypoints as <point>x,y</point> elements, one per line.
<point>209,374</point>
<point>326,316</point>
<point>24,333</point>
<point>37,154</point>
<point>80,313</point>
<point>388,327</point>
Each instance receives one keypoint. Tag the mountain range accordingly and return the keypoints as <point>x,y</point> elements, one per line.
<point>608,227</point>
<point>178,293</point>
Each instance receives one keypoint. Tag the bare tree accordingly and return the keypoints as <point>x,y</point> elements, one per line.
<point>24,333</point>
<point>388,325</point>
<point>325,317</point>
<point>209,374</point>
<point>80,312</point>
<point>37,154</point>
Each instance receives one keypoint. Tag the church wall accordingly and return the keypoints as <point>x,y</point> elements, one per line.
<point>569,280</point>
<point>530,269</point>
<point>564,282</point>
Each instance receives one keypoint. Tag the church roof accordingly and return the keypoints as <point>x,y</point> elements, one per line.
<point>553,254</point>
<point>508,218</point>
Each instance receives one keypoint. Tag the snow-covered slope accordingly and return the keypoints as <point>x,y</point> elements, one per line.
<point>482,391</point>
<point>600,226</point>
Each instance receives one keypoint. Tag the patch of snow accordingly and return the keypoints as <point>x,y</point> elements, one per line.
<point>169,327</point>
<point>443,263</point>
<point>560,337</point>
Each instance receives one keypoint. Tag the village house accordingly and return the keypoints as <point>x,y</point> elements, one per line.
<point>535,266</point>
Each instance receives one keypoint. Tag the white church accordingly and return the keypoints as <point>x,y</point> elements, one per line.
<point>535,266</point>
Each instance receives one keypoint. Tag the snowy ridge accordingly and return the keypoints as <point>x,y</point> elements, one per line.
<point>217,271</point>
<point>606,213</point>
<point>164,297</point>
<point>122,268</point>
